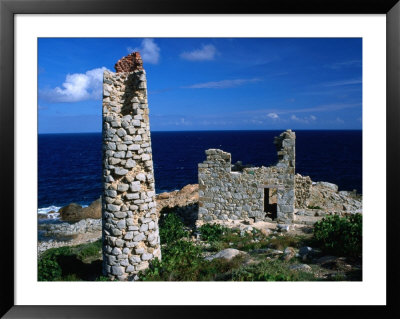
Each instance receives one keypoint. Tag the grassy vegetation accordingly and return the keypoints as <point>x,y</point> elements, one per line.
<point>270,270</point>
<point>171,227</point>
<point>183,258</point>
<point>82,262</point>
<point>340,235</point>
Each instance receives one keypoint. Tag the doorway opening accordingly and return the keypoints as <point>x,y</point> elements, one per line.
<point>270,202</point>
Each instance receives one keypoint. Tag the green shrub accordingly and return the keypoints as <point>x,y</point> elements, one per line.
<point>212,232</point>
<point>103,278</point>
<point>281,242</point>
<point>181,261</point>
<point>340,235</point>
<point>274,270</point>
<point>88,251</point>
<point>220,237</point>
<point>71,263</point>
<point>48,266</point>
<point>171,228</point>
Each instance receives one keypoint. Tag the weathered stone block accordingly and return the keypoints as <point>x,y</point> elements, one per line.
<point>123,187</point>
<point>117,270</point>
<point>135,186</point>
<point>139,237</point>
<point>113,208</point>
<point>120,171</point>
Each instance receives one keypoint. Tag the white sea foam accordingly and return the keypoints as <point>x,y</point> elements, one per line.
<point>54,215</point>
<point>46,210</point>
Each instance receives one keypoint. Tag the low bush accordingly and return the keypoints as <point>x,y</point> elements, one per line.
<point>274,270</point>
<point>88,251</point>
<point>68,263</point>
<point>281,242</point>
<point>171,228</point>
<point>340,235</point>
<point>181,261</point>
<point>49,268</point>
<point>212,232</point>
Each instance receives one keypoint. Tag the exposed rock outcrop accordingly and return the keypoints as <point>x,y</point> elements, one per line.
<point>325,197</point>
<point>74,212</point>
<point>227,254</point>
<point>186,196</point>
<point>184,203</point>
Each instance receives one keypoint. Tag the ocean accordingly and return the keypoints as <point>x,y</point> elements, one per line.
<point>70,165</point>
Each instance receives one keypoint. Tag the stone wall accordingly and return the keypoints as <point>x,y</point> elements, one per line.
<point>302,190</point>
<point>226,194</point>
<point>130,225</point>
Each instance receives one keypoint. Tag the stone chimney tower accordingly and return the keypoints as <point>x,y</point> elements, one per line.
<point>130,225</point>
<point>285,145</point>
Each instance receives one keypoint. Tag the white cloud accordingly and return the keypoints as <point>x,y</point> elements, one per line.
<point>295,118</point>
<point>273,115</point>
<point>206,53</point>
<point>345,64</point>
<point>77,87</point>
<point>306,119</point>
<point>221,84</point>
<point>149,51</point>
<point>339,120</point>
<point>343,82</point>
<point>319,108</point>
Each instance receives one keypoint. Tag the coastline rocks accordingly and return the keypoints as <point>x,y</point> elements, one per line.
<point>330,186</point>
<point>65,230</point>
<point>70,212</point>
<point>320,198</point>
<point>85,238</point>
<point>45,216</point>
<point>187,195</point>
<point>74,212</point>
<point>183,202</point>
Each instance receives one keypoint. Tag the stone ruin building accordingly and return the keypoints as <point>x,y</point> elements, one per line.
<point>260,193</point>
<point>130,226</point>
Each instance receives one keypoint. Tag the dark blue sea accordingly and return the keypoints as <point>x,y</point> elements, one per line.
<point>70,165</point>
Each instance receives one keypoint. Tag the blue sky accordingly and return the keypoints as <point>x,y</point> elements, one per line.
<point>208,83</point>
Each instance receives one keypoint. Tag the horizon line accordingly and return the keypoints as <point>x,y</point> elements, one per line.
<point>244,130</point>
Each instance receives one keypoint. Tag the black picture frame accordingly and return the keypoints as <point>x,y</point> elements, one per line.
<point>9,8</point>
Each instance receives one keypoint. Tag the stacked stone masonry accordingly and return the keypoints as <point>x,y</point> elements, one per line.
<point>303,186</point>
<point>254,192</point>
<point>130,224</point>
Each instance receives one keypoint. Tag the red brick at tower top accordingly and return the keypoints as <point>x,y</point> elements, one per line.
<point>130,63</point>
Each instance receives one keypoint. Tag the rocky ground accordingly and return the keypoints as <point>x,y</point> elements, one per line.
<point>83,225</point>
<point>289,243</point>
<point>69,234</point>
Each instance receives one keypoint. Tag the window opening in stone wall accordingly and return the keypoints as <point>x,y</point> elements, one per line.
<point>270,202</point>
